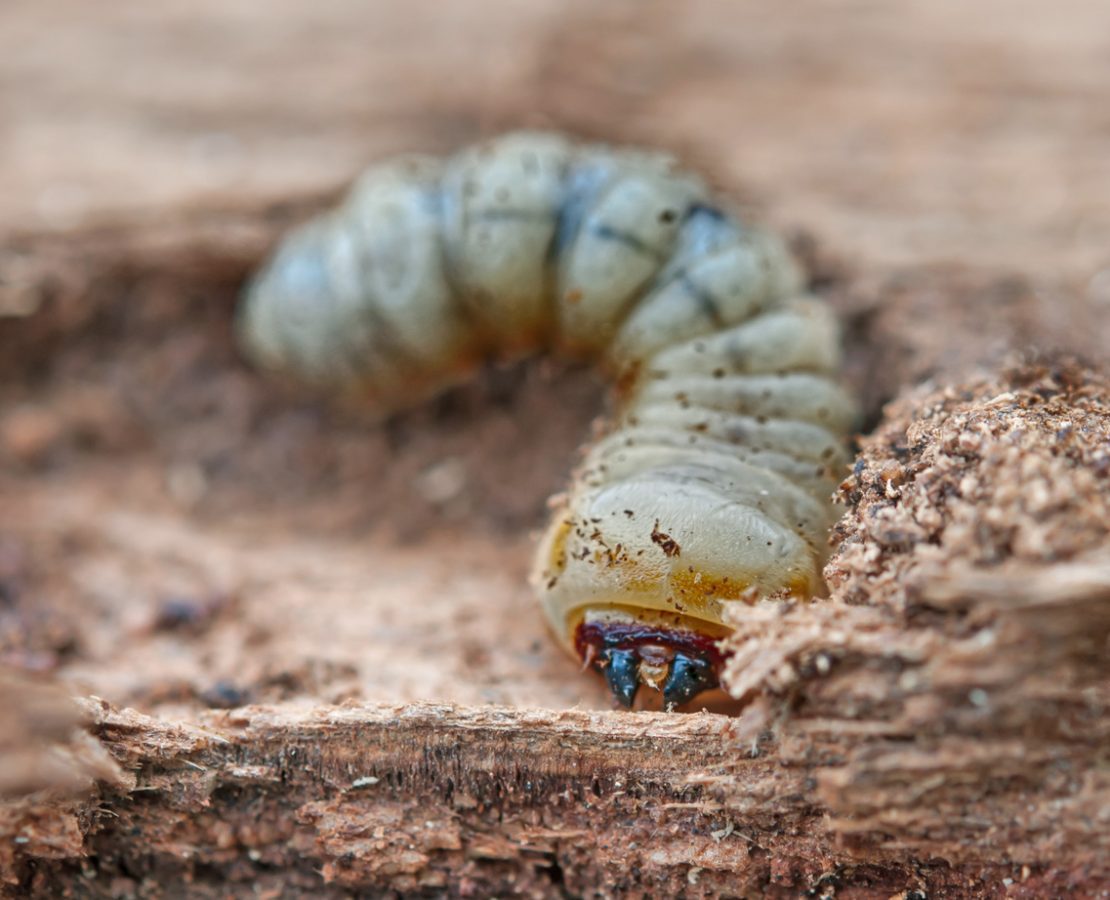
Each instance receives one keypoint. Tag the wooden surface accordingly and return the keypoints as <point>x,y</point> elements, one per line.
<point>495,801</point>
<point>180,537</point>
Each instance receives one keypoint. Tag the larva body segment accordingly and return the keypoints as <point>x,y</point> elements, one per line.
<point>360,297</point>
<point>613,453</point>
<point>800,335</point>
<point>711,486</point>
<point>719,275</point>
<point>501,208</point>
<point>794,395</point>
<point>631,213</point>
<point>400,286</point>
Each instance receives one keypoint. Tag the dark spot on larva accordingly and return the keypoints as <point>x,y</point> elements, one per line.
<point>664,541</point>
<point>719,373</point>
<point>668,215</point>
<point>629,513</point>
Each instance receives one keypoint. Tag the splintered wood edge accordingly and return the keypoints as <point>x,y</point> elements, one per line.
<point>401,796</point>
<point>425,796</point>
<point>377,731</point>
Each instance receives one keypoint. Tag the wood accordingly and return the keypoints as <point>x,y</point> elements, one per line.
<point>296,598</point>
<point>426,796</point>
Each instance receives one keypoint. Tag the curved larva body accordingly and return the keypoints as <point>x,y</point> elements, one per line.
<point>711,487</point>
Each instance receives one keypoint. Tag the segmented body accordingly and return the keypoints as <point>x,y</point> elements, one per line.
<point>712,485</point>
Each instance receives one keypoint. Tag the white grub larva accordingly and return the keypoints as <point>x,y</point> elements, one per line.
<point>712,484</point>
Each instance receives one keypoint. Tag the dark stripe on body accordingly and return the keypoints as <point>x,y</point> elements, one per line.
<point>531,216</point>
<point>626,239</point>
<point>439,202</point>
<point>584,185</point>
<point>710,212</point>
<point>707,303</point>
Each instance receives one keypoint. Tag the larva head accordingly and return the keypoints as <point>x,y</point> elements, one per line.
<point>635,574</point>
<point>641,650</point>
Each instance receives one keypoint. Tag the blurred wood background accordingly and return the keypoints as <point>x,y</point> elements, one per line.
<point>907,132</point>
<point>180,537</point>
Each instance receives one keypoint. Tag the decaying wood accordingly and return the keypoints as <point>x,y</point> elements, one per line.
<point>939,725</point>
<point>41,744</point>
<point>341,680</point>
<point>964,647</point>
<point>422,797</point>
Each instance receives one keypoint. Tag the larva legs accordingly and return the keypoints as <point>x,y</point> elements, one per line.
<point>631,652</point>
<point>712,485</point>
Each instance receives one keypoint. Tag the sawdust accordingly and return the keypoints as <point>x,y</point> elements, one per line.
<point>1012,467</point>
